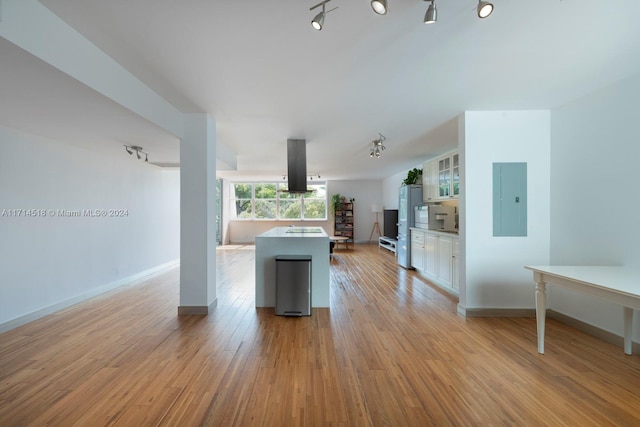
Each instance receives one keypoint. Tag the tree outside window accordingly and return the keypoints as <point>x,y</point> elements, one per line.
<point>266,201</point>
<point>315,203</point>
<point>242,195</point>
<point>290,204</point>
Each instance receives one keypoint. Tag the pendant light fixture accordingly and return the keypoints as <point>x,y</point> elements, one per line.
<point>484,9</point>
<point>432,13</point>
<point>379,6</point>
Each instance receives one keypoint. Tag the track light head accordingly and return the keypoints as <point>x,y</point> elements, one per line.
<point>379,6</point>
<point>432,14</point>
<point>484,9</point>
<point>318,21</point>
<point>128,151</point>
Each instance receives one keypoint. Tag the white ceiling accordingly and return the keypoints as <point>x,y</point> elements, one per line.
<point>265,75</point>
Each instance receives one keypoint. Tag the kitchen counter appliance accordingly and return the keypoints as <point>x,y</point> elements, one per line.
<point>435,217</point>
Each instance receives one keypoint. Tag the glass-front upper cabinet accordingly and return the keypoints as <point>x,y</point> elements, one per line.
<point>455,176</point>
<point>444,176</point>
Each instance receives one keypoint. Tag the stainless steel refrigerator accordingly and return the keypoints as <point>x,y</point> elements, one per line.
<point>410,197</point>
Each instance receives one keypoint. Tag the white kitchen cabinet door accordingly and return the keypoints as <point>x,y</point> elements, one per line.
<point>445,260</point>
<point>430,181</point>
<point>431,254</point>
<point>455,273</point>
<point>417,250</point>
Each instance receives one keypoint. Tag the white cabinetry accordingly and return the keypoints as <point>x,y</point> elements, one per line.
<point>455,276</point>
<point>439,261</point>
<point>441,178</point>
<point>417,249</point>
<point>431,253</point>
<point>430,181</point>
<point>445,260</point>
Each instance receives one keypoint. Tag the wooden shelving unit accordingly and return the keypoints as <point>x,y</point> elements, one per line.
<point>343,220</point>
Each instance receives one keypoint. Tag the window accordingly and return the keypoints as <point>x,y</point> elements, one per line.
<point>268,201</point>
<point>242,195</point>
<point>315,203</point>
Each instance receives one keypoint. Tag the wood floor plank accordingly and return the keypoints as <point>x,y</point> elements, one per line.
<point>390,350</point>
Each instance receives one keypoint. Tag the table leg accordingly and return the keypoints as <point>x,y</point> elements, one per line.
<point>541,309</point>
<point>628,322</point>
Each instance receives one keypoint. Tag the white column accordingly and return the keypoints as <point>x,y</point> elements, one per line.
<point>198,215</point>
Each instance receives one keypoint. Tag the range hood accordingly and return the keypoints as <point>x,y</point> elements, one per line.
<point>297,165</point>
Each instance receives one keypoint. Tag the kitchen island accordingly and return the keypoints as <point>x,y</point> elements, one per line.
<point>312,241</point>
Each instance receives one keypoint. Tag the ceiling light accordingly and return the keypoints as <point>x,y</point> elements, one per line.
<point>138,150</point>
<point>318,21</point>
<point>377,146</point>
<point>432,13</point>
<point>484,9</point>
<point>379,6</point>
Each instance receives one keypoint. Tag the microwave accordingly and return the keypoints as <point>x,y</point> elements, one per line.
<point>421,217</point>
<point>435,217</point>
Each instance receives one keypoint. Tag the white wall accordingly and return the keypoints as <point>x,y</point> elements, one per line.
<point>494,274</point>
<point>391,189</point>
<point>47,261</point>
<point>366,194</point>
<point>594,203</point>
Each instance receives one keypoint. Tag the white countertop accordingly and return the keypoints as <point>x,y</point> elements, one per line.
<point>447,233</point>
<point>289,232</point>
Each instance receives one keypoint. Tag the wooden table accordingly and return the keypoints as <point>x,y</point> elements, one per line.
<point>615,284</point>
<point>340,239</point>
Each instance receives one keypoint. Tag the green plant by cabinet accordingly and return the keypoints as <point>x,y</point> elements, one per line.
<point>413,177</point>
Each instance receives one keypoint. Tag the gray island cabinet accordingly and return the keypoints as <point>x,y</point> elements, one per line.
<point>313,241</point>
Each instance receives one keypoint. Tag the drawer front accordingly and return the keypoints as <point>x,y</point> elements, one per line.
<point>417,237</point>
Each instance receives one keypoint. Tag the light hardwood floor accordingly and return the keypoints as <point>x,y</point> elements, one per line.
<point>391,350</point>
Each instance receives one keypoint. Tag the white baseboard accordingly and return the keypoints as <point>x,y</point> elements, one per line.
<point>589,329</point>
<point>126,281</point>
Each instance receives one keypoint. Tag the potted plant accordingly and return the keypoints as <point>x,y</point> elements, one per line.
<point>335,199</point>
<point>412,176</point>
